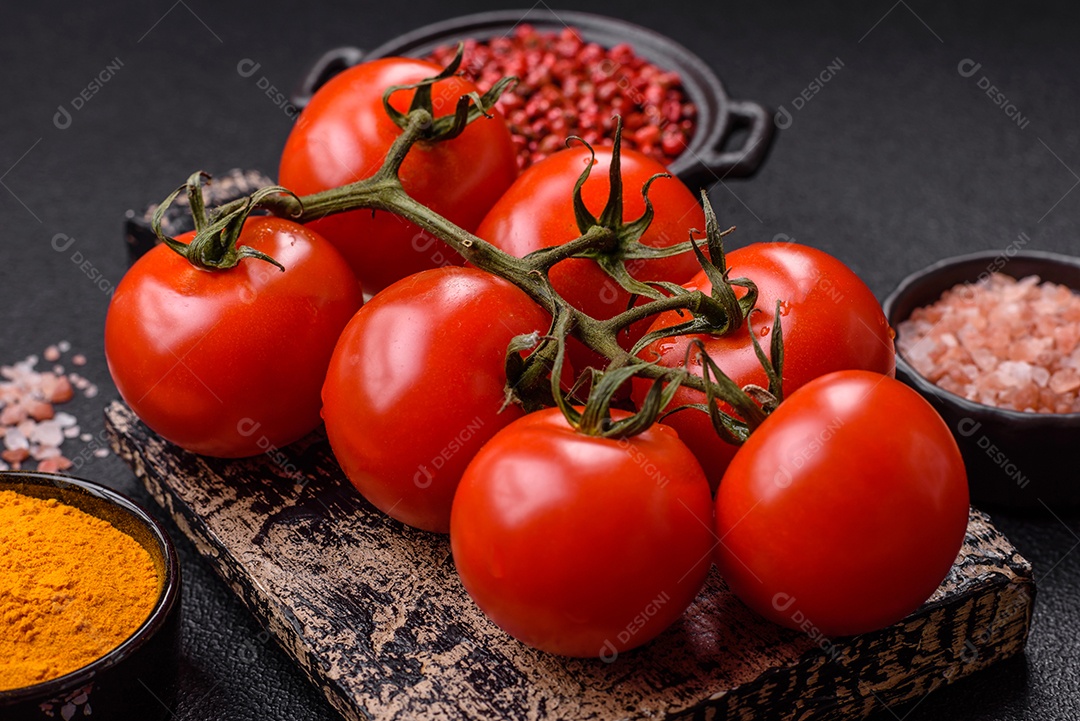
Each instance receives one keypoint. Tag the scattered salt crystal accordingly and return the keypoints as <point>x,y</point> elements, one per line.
<point>30,426</point>
<point>101,452</point>
<point>1002,342</point>
<point>40,410</point>
<point>12,414</point>
<point>52,465</point>
<point>61,392</point>
<point>40,453</point>
<point>48,433</point>
<point>86,438</point>
<point>15,455</point>
<point>14,440</point>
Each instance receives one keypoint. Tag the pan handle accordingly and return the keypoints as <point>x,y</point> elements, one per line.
<point>327,66</point>
<point>715,163</point>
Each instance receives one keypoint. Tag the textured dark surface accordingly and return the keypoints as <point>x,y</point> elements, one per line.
<point>374,614</point>
<point>898,161</point>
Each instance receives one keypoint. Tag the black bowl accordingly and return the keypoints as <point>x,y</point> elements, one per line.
<point>136,679</point>
<point>702,163</point>
<point>1015,460</point>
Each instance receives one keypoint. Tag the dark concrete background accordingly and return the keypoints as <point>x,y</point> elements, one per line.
<point>899,160</point>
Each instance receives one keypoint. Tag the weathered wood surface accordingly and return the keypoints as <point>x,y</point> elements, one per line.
<point>374,613</point>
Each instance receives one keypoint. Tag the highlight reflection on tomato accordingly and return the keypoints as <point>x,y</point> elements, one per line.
<point>580,545</point>
<point>416,385</point>
<point>845,508</point>
<point>230,362</point>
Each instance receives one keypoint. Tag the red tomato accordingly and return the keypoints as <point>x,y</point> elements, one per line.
<point>845,509</point>
<point>831,321</point>
<point>342,136</point>
<point>229,362</point>
<point>579,545</point>
<point>416,383</point>
<point>538,212</point>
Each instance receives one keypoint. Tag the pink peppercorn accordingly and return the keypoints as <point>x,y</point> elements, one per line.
<point>570,87</point>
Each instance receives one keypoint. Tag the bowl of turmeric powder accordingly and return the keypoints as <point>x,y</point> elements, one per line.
<point>89,602</point>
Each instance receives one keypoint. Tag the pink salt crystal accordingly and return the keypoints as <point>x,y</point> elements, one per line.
<point>48,433</point>
<point>40,453</point>
<point>13,414</point>
<point>1014,374</point>
<point>52,465</point>
<point>15,455</point>
<point>1066,338</point>
<point>998,339</point>
<point>1026,397</point>
<point>39,410</point>
<point>51,354</point>
<point>61,392</point>
<point>984,359</point>
<point>1064,381</point>
<point>79,359</point>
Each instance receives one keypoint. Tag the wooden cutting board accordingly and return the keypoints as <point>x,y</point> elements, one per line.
<point>375,615</point>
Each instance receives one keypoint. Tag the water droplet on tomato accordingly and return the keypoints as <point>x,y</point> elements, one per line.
<point>784,308</point>
<point>764,331</point>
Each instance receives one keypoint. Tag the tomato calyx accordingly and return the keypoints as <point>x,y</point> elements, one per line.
<point>469,107</point>
<point>752,403</point>
<point>594,418</point>
<point>729,311</point>
<point>613,239</point>
<point>527,376</point>
<point>215,245</point>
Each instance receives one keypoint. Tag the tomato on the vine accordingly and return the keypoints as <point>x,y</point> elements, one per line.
<point>343,136</point>
<point>845,509</point>
<point>581,545</point>
<point>538,212</point>
<point>416,385</point>
<point>230,362</point>
<point>830,321</point>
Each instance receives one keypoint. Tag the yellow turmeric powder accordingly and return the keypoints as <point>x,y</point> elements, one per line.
<point>72,588</point>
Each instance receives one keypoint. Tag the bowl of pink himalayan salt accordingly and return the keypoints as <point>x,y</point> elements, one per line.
<point>992,340</point>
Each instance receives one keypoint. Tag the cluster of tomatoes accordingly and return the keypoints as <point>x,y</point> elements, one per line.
<point>845,507</point>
